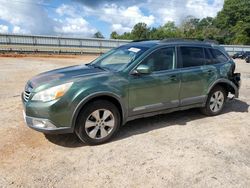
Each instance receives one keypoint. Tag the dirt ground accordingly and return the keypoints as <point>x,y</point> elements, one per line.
<point>182,149</point>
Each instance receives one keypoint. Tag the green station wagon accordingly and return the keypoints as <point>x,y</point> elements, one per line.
<point>137,80</point>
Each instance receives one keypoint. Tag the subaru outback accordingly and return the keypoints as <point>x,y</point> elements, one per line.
<point>137,80</point>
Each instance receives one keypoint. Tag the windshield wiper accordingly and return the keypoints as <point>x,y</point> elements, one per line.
<point>97,66</point>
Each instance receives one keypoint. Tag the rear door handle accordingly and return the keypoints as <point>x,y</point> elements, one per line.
<point>210,72</point>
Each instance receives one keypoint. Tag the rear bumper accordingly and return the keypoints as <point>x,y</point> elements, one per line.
<point>237,82</point>
<point>45,125</point>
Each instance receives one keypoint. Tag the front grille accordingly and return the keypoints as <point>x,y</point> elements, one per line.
<point>27,92</point>
<point>26,95</point>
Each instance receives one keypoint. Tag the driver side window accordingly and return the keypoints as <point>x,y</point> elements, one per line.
<point>160,60</point>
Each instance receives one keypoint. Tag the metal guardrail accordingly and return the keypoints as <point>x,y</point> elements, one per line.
<point>56,44</point>
<point>51,49</point>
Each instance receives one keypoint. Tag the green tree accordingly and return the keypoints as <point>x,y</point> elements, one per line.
<point>241,33</point>
<point>169,30</point>
<point>114,35</point>
<point>189,27</point>
<point>98,35</point>
<point>126,36</point>
<point>234,20</point>
<point>205,23</point>
<point>140,31</point>
<point>207,30</point>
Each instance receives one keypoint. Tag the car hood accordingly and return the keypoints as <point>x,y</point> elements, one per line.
<point>63,75</point>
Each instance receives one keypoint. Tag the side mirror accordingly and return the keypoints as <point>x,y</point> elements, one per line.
<point>142,69</point>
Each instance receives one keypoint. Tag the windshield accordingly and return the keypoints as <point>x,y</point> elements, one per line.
<point>119,58</point>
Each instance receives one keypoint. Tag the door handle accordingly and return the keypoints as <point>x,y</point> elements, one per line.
<point>173,77</point>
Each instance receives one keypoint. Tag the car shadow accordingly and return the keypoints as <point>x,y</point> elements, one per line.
<point>66,140</point>
<point>144,125</point>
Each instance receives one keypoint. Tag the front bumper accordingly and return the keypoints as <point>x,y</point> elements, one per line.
<point>53,117</point>
<point>45,125</point>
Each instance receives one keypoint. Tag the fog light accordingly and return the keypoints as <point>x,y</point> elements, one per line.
<point>38,123</point>
<point>42,124</point>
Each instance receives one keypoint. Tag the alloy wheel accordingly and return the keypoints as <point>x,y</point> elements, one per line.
<point>99,124</point>
<point>216,101</point>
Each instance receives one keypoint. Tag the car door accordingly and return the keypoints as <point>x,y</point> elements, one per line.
<point>196,75</point>
<point>159,89</point>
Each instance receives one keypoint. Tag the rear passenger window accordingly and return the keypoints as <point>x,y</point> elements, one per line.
<point>192,56</point>
<point>218,56</point>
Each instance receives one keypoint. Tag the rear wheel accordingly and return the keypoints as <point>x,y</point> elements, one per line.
<point>215,101</point>
<point>98,122</point>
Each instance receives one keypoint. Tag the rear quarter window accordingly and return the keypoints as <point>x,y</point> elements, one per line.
<point>218,56</point>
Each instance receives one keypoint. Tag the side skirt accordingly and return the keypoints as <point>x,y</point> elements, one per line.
<point>164,111</point>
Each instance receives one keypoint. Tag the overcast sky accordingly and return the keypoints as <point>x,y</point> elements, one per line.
<point>83,18</point>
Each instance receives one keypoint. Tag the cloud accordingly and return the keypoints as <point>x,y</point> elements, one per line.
<point>71,23</point>
<point>169,10</point>
<point>27,17</point>
<point>25,14</point>
<point>66,10</point>
<point>75,27</point>
<point>75,18</point>
<point>4,29</point>
<point>119,28</point>
<point>123,15</point>
<point>19,30</point>
<point>100,3</point>
<point>178,10</point>
<point>122,19</point>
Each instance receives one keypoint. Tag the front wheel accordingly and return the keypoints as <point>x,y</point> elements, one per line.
<point>98,122</point>
<point>215,102</point>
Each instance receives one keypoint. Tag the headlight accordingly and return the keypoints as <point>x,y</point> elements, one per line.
<point>52,93</point>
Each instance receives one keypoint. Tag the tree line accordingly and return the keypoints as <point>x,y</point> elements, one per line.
<point>230,26</point>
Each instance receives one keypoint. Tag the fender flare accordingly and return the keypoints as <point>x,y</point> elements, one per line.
<point>94,95</point>
<point>227,82</point>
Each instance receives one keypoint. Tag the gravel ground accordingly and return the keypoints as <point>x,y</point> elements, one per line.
<point>182,149</point>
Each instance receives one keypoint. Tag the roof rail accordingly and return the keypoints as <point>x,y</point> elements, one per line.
<point>207,41</point>
<point>141,40</point>
<point>181,40</point>
<point>211,41</point>
<point>196,40</point>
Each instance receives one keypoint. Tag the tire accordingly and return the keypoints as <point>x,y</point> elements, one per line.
<point>98,122</point>
<point>215,101</point>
